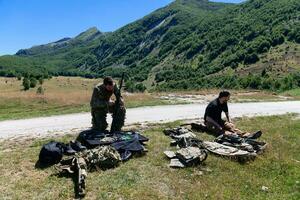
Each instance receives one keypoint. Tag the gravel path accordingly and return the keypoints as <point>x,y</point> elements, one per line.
<point>156,114</point>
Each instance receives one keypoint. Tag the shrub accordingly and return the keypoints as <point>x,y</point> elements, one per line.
<point>26,83</point>
<point>40,90</point>
<point>33,82</point>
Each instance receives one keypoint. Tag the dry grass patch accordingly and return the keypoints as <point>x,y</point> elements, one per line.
<point>64,95</point>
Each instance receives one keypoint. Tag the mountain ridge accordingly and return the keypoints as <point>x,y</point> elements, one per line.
<point>179,45</point>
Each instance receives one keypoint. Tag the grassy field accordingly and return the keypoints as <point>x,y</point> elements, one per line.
<point>294,93</point>
<point>65,95</point>
<point>62,95</point>
<point>149,177</point>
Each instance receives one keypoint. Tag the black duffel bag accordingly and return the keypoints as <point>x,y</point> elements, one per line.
<point>51,153</point>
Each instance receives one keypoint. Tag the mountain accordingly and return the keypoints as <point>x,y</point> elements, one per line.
<point>64,44</point>
<point>185,45</point>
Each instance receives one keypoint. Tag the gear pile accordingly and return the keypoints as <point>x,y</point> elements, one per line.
<point>193,151</point>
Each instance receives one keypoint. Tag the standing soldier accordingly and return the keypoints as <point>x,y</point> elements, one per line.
<point>101,104</point>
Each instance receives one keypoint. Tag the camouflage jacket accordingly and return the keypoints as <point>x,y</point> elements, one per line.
<point>100,97</point>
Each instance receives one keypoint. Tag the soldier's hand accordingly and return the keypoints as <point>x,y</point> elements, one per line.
<point>111,103</point>
<point>122,101</point>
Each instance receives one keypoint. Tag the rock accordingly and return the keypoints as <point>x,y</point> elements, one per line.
<point>199,173</point>
<point>264,188</point>
<point>207,169</point>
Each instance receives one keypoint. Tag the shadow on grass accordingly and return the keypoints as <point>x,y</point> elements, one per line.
<point>40,165</point>
<point>74,177</point>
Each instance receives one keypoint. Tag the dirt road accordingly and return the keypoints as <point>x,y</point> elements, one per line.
<point>157,114</point>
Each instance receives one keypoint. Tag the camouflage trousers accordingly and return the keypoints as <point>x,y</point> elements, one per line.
<point>99,118</point>
<point>227,129</point>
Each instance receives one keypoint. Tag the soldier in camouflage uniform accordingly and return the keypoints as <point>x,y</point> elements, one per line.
<point>101,105</point>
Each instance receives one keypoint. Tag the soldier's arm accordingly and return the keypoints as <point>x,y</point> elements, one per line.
<point>227,113</point>
<point>97,101</point>
<point>227,116</point>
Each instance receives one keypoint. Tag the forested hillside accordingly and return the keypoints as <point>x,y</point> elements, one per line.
<point>188,44</point>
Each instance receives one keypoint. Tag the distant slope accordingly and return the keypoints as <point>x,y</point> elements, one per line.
<point>62,45</point>
<point>187,44</point>
<point>64,56</point>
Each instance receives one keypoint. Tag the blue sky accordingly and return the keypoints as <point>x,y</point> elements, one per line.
<point>24,23</point>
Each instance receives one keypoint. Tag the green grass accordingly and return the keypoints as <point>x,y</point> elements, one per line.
<point>15,109</point>
<point>149,177</point>
<point>22,109</point>
<point>294,92</point>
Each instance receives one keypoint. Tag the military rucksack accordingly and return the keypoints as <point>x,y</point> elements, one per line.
<point>51,153</point>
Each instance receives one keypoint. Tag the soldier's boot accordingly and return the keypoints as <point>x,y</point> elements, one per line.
<point>118,120</point>
<point>99,120</point>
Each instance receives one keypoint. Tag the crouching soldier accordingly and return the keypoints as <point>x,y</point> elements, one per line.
<point>101,104</point>
<point>217,125</point>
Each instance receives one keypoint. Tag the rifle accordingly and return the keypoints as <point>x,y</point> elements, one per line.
<point>115,125</point>
<point>81,174</point>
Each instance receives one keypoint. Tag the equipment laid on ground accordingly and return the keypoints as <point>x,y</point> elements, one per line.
<point>51,153</point>
<point>231,146</point>
<point>98,151</point>
<point>191,151</point>
<point>81,169</point>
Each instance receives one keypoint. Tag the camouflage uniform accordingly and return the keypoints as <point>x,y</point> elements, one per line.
<point>100,107</point>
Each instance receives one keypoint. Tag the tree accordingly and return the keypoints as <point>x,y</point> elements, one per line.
<point>140,87</point>
<point>250,59</point>
<point>33,82</point>
<point>255,82</point>
<point>41,81</point>
<point>26,83</point>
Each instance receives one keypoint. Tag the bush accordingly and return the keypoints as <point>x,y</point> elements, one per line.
<point>40,90</point>
<point>250,59</point>
<point>41,81</point>
<point>19,77</point>
<point>140,87</point>
<point>26,83</point>
<point>33,82</point>
<point>132,87</point>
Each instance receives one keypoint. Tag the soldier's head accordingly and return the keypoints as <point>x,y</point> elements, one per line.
<point>108,83</point>
<point>224,96</point>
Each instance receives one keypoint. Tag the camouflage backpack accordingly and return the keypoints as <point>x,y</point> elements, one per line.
<point>102,157</point>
